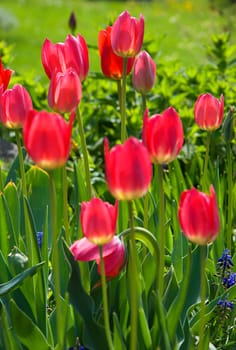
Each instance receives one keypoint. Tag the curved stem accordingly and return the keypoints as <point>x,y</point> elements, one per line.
<point>161,235</point>
<point>203,299</point>
<point>204,178</point>
<point>123,100</point>
<point>65,204</point>
<point>85,154</point>
<point>105,301</point>
<point>133,282</point>
<point>55,259</point>
<point>230,197</point>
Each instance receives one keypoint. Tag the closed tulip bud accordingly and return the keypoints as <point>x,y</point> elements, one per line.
<point>47,138</point>
<point>98,220</point>
<point>64,91</point>
<point>111,64</point>
<point>113,254</point>
<point>199,216</point>
<point>163,135</point>
<point>15,105</point>
<point>77,57</point>
<point>144,73</point>
<point>209,112</point>
<point>128,169</point>
<point>127,35</point>
<point>72,21</point>
<point>5,76</point>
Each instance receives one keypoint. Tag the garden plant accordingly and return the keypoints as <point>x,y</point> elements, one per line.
<point>117,216</point>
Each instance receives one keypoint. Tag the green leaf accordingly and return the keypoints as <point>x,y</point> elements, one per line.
<point>144,330</point>
<point>16,281</point>
<point>26,331</point>
<point>13,203</point>
<point>118,340</point>
<point>5,236</point>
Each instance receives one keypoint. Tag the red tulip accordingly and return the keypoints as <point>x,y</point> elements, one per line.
<point>5,76</point>
<point>78,58</point>
<point>127,35</point>
<point>47,138</point>
<point>128,169</point>
<point>113,254</point>
<point>98,220</point>
<point>163,135</point>
<point>144,73</point>
<point>64,91</point>
<point>209,112</point>
<point>199,216</point>
<point>111,64</point>
<point>15,105</point>
<point>59,57</point>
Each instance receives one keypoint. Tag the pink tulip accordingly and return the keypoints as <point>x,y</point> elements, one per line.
<point>113,254</point>
<point>128,169</point>
<point>199,216</point>
<point>144,73</point>
<point>163,135</point>
<point>127,35</point>
<point>209,112</point>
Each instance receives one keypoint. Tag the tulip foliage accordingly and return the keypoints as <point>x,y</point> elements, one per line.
<point>109,239</point>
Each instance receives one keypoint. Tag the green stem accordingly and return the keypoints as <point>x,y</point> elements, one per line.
<point>119,89</point>
<point>85,154</point>
<point>144,103</point>
<point>65,204</point>
<point>230,197</point>
<point>204,178</point>
<point>203,299</point>
<point>21,162</point>
<point>145,210</point>
<point>105,301</point>
<point>55,259</point>
<point>133,282</point>
<point>123,100</point>
<point>161,231</point>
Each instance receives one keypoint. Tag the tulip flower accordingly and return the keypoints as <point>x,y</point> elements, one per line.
<point>47,138</point>
<point>113,254</point>
<point>111,64</point>
<point>15,105</point>
<point>144,73</point>
<point>98,220</point>
<point>209,112</point>
<point>127,35</point>
<point>163,135</point>
<point>199,215</point>
<point>128,169</point>
<point>60,57</point>
<point>64,91</point>
<point>5,76</point>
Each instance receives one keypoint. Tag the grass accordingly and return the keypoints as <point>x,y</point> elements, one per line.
<point>179,29</point>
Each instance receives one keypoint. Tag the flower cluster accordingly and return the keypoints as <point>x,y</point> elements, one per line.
<point>228,278</point>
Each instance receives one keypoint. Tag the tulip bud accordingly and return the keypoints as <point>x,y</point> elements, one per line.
<point>98,220</point>
<point>209,112</point>
<point>199,216</point>
<point>163,135</point>
<point>17,261</point>
<point>227,127</point>
<point>64,91</point>
<point>15,105</point>
<point>72,22</point>
<point>127,35</point>
<point>144,73</point>
<point>47,138</point>
<point>128,169</point>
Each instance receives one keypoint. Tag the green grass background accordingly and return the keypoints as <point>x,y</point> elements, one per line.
<point>179,29</point>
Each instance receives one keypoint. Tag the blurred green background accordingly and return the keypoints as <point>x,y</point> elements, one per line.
<point>178,30</point>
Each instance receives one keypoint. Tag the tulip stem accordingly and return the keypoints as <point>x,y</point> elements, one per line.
<point>203,299</point>
<point>65,204</point>
<point>161,237</point>
<point>55,259</point>
<point>105,301</point>
<point>24,192</point>
<point>144,103</point>
<point>133,281</point>
<point>123,100</point>
<point>230,197</point>
<point>85,154</point>
<point>204,178</point>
